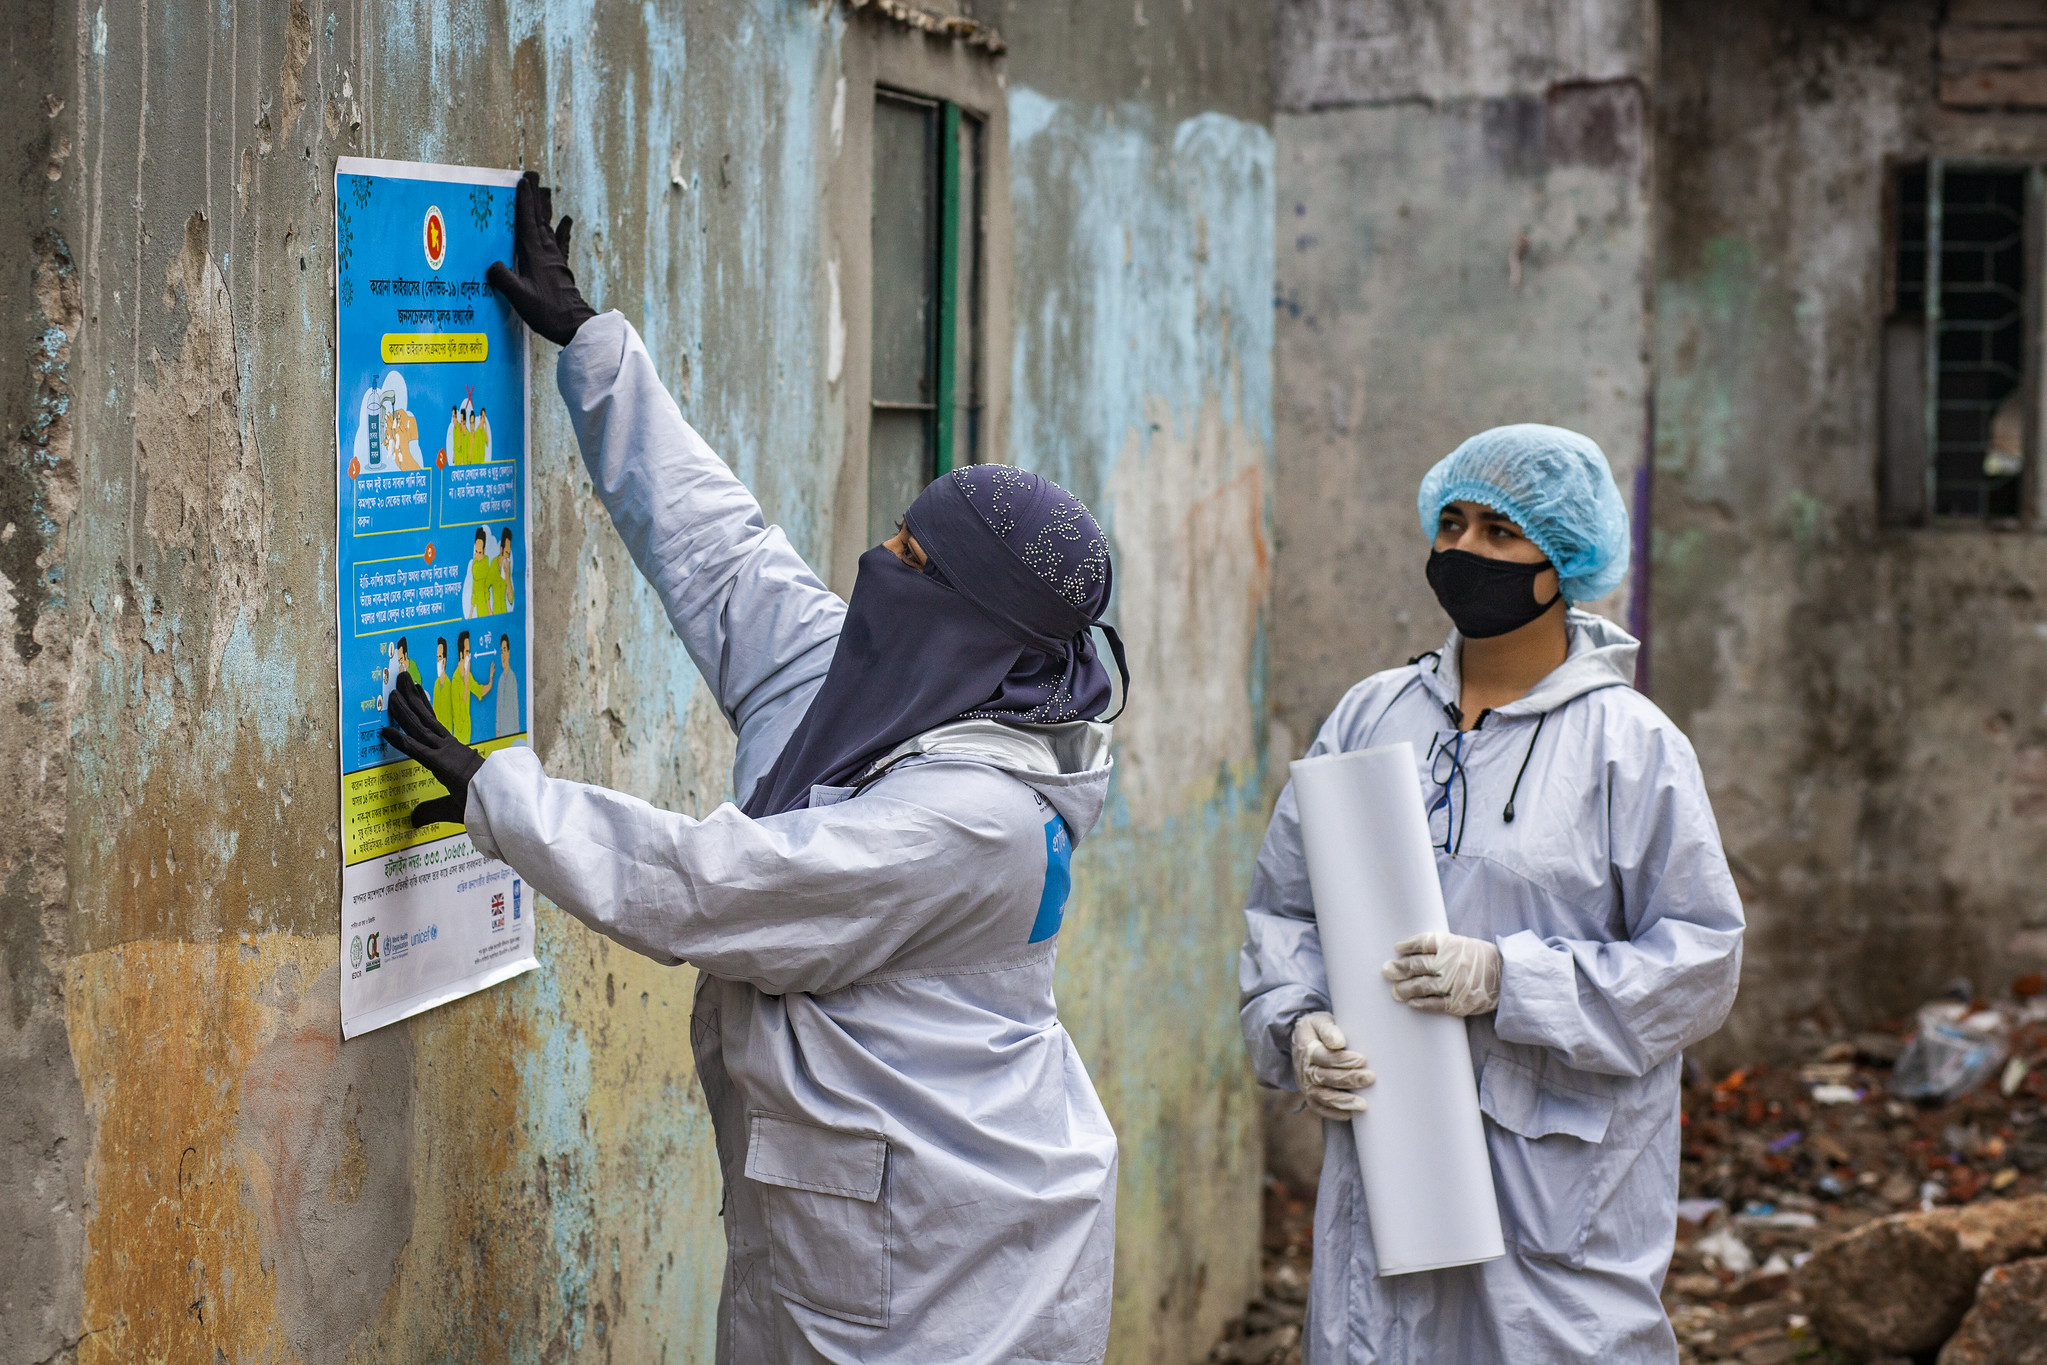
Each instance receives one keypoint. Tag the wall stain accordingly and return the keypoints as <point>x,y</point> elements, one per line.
<point>206,493</point>
<point>1864,698</point>
<point>181,1253</point>
<point>526,1174</point>
<point>1142,381</point>
<point>38,484</point>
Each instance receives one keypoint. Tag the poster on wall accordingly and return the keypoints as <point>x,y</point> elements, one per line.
<point>431,559</point>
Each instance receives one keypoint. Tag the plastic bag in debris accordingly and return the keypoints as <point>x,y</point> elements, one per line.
<point>1727,1251</point>
<point>1953,1052</point>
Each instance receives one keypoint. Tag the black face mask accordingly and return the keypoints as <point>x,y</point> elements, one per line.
<point>1486,597</point>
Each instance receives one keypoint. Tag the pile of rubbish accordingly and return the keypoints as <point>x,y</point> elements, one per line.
<point>1852,1207</point>
<point>1884,1202</point>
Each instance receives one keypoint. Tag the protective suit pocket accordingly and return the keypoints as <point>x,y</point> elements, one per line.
<point>1545,1142</point>
<point>827,1208</point>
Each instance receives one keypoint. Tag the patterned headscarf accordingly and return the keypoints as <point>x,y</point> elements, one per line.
<point>997,625</point>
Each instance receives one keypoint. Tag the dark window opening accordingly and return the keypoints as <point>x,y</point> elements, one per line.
<point>926,410</point>
<point>1955,344</point>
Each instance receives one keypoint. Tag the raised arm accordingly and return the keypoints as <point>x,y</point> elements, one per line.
<point>759,624</point>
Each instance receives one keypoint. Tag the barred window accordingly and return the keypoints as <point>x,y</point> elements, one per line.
<point>1959,354</point>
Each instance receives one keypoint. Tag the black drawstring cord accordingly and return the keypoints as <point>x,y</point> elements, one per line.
<point>1507,815</point>
<point>1122,668</point>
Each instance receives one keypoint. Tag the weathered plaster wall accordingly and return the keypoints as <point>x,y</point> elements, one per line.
<point>1142,183</point>
<point>194,1162</point>
<point>525,1173</point>
<point>1867,701</point>
<point>1464,238</point>
<point>43,1126</point>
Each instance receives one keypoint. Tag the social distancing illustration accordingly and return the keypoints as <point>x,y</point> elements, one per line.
<point>432,517</point>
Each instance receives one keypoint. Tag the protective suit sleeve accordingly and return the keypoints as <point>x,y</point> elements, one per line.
<point>759,624</point>
<point>1622,1008</point>
<point>810,900</point>
<point>1280,975</point>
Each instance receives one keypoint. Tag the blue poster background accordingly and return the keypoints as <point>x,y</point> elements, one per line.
<point>431,453</point>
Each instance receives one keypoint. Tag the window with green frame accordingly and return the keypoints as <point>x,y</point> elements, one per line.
<point>925,409</point>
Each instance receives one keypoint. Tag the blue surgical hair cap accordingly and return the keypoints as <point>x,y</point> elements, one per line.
<point>1557,487</point>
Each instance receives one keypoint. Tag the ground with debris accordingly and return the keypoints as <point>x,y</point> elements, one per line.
<point>1777,1164</point>
<point>1269,1332</point>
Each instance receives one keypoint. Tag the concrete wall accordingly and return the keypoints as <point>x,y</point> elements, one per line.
<point>194,1163</point>
<point>1559,211</point>
<point>1142,183</point>
<point>1464,239</point>
<point>1867,700</point>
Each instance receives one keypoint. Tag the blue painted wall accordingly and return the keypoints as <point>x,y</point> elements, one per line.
<point>1142,380</point>
<point>527,1174</point>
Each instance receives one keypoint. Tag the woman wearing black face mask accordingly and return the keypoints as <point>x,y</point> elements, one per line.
<point>1595,931</point>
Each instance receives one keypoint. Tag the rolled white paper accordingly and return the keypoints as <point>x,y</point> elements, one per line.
<point>1421,1144</point>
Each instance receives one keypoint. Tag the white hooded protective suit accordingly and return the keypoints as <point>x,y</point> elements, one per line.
<point>1620,932</point>
<point>916,1166</point>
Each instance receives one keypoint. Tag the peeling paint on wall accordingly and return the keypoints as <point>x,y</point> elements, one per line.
<point>1866,700</point>
<point>202,480</point>
<point>1142,381</point>
<point>528,1174</point>
<point>43,1124</point>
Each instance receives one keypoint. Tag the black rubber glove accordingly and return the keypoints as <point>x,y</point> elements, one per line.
<point>543,290</point>
<point>418,733</point>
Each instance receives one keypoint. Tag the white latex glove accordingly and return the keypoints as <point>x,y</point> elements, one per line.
<point>1445,974</point>
<point>1327,1071</point>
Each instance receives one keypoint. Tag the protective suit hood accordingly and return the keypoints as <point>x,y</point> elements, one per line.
<point>1601,655</point>
<point>1067,764</point>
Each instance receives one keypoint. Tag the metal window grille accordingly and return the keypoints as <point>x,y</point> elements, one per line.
<point>1957,344</point>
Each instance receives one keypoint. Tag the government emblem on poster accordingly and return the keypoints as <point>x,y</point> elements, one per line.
<point>432,570</point>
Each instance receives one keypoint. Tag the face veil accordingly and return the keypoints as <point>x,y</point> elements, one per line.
<point>997,625</point>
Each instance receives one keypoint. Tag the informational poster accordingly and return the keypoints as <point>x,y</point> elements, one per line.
<point>431,558</point>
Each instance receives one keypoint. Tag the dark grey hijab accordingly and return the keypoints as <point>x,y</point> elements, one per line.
<point>998,625</point>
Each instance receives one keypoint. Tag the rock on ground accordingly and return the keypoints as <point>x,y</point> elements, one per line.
<point>2008,1325</point>
<point>1901,1285</point>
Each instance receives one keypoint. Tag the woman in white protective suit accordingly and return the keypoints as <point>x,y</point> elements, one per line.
<point>916,1166</point>
<point>1594,933</point>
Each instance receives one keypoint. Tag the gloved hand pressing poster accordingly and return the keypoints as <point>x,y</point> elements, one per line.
<point>431,553</point>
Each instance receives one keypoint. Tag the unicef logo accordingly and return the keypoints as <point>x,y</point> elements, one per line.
<point>355,952</point>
